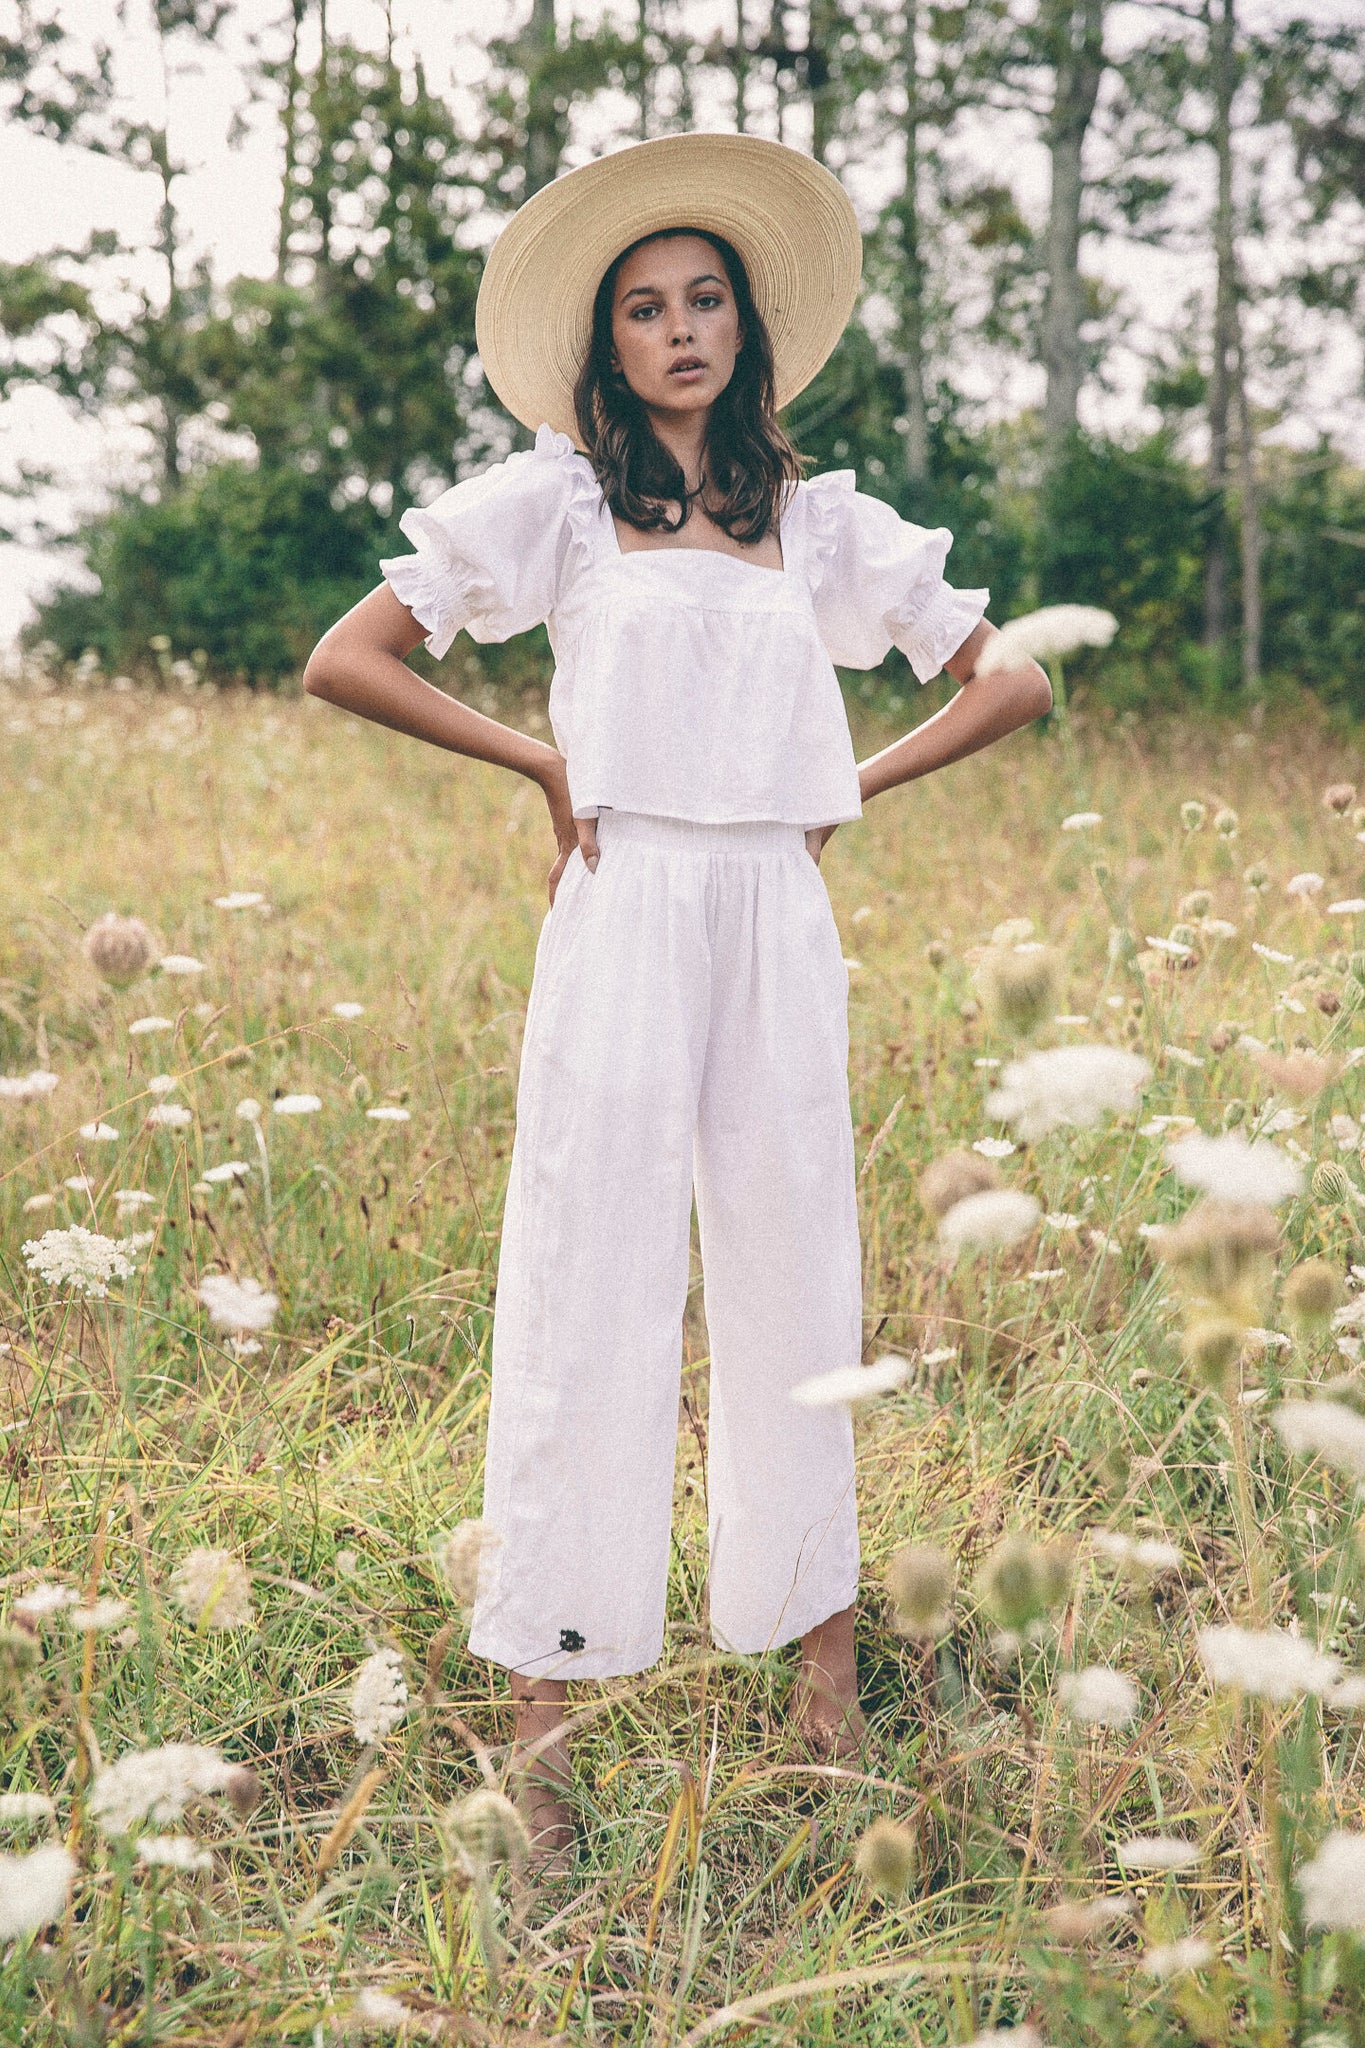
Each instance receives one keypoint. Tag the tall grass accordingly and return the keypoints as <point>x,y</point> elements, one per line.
<point>1049,1394</point>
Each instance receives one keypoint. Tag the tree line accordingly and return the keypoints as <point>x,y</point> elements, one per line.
<point>290,417</point>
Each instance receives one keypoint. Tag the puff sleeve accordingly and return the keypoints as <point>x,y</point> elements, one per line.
<point>489,550</point>
<point>877,581</point>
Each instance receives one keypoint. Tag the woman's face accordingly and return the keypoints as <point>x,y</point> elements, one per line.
<point>674,324</point>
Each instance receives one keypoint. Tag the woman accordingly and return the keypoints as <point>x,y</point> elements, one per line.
<point>688,1017</point>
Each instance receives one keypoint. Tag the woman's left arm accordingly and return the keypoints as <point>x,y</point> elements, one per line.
<point>984,709</point>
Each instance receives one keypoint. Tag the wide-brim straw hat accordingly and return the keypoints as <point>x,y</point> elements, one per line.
<point>789,218</point>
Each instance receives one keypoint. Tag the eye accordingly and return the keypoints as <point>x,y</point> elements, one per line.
<point>640,310</point>
<point>709,299</point>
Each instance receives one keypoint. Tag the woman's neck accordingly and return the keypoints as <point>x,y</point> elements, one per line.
<point>684,436</point>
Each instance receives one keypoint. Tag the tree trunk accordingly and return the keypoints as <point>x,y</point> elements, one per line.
<point>1220,18</point>
<point>821,30</point>
<point>741,69</point>
<point>912,261</point>
<point>1250,525</point>
<point>1075,34</point>
<point>646,95</point>
<point>542,141</point>
<point>291,127</point>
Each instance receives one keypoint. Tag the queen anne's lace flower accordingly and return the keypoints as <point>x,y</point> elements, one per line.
<point>213,1589</point>
<point>237,1304</point>
<point>1233,1170</point>
<point>849,1384</point>
<point>157,1784</point>
<point>1098,1697</point>
<point>34,1890</point>
<point>1156,1852</point>
<point>1071,1084</point>
<point>1328,1429</point>
<point>991,1220</point>
<point>79,1259</point>
<point>1332,1886</point>
<point>27,1087</point>
<point>379,1696</point>
<point>1268,1662</point>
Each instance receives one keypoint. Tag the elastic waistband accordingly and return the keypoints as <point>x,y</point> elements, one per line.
<point>691,835</point>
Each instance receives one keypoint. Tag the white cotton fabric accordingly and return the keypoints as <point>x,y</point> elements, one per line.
<point>688,1021</point>
<point>687,683</point>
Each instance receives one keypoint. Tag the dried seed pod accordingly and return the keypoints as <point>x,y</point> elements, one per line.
<point>920,1581</point>
<point>947,1181</point>
<point>120,948</point>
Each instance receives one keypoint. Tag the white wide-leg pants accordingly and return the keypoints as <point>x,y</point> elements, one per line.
<point>688,1022</point>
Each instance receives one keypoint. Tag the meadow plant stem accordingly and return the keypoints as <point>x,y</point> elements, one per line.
<point>1061,711</point>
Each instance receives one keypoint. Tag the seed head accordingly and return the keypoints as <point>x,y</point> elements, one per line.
<point>1325,1429</point>
<point>1222,1250</point>
<point>947,1181</point>
<point>1020,986</point>
<point>920,1580</point>
<point>1074,1922</point>
<point>119,948</point>
<point>379,1696</point>
<point>461,1556</point>
<point>484,1828</point>
<point>213,1589</point>
<point>34,1890</point>
<point>1213,1344</point>
<point>1312,1291</point>
<point>988,1222</point>
<point>1267,1662</point>
<point>1156,1852</point>
<point>1021,1581</point>
<point>1192,814</point>
<point>1098,1697</point>
<point>885,1857</point>
<point>1257,877</point>
<point>1197,904</point>
<point>1339,796</point>
<point>936,953</point>
<point>1331,1182</point>
<point>157,1784</point>
<point>1332,1886</point>
<point>1225,822</point>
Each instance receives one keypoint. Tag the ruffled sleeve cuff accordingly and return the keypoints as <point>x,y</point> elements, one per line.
<point>931,635</point>
<point>431,594</point>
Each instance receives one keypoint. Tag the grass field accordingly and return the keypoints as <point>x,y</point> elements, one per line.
<point>719,1891</point>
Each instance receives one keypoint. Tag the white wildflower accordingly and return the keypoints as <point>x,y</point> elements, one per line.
<point>157,1784</point>
<point>1270,1663</point>
<point>1047,1273</point>
<point>162,1084</point>
<point>231,1169</point>
<point>1282,1120</point>
<point>1325,1429</point>
<point>1081,821</point>
<point>213,1589</point>
<point>379,1696</point>
<point>36,1203</point>
<point>1345,1130</point>
<point>34,1890</point>
<point>461,1556</point>
<point>79,1183</point>
<point>172,1852</point>
<point>1233,1170</point>
<point>294,1105</point>
<point>389,1113</point>
<point>1072,1084</point>
<point>80,1259</point>
<point>1158,1126</point>
<point>1182,1056</point>
<point>27,1087</point>
<point>348,1010</point>
<point>18,1807</point>
<point>129,1200</point>
<point>1140,1553</point>
<point>1007,2037</point>
<point>1098,1697</point>
<point>993,1148</point>
<point>41,1601</point>
<point>237,1304</point>
<point>1260,1340</point>
<point>180,963</point>
<point>1055,629</point>
<point>239,899</point>
<point>1218,928</point>
<point>1269,953</point>
<point>849,1384</point>
<point>1156,1852</point>
<point>172,1115</point>
<point>943,1354</point>
<point>1174,949</point>
<point>99,1616</point>
<point>99,1134</point>
<point>141,1026</point>
<point>1173,1958</point>
<point>1349,906</point>
<point>990,1064</point>
<point>249,1110</point>
<point>1332,1886</point>
<point>1301,887</point>
<point>995,1218</point>
<point>1059,1219</point>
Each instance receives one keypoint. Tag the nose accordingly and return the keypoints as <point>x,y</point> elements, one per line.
<point>681,330</point>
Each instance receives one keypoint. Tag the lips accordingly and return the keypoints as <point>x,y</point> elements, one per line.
<point>687,363</point>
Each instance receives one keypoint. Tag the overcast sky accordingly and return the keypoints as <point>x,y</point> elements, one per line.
<point>229,200</point>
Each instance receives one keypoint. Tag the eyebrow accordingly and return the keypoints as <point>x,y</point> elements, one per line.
<point>707,277</point>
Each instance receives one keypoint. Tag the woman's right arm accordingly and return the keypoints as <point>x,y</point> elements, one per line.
<point>359,665</point>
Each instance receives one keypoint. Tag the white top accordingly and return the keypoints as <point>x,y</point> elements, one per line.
<point>687,683</point>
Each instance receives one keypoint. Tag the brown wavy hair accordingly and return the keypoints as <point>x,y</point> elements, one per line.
<point>749,460</point>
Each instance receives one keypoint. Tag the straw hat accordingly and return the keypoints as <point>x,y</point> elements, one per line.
<point>790,219</point>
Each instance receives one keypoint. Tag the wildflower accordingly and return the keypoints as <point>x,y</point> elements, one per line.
<point>1218,928</point>
<point>1332,1886</point>
<point>1303,887</point>
<point>99,1616</point>
<point>1156,1852</point>
<point>1019,986</point>
<point>1345,1130</point>
<point>1235,1170</point>
<point>484,1828</point>
<point>129,1200</point>
<point>936,953</point>
<point>80,1259</point>
<point>1174,1958</point>
<point>1175,949</point>
<point>1054,630</point>
<point>171,1115</point>
<point>1198,903</point>
<point>231,1169</point>
<point>172,1852</point>
<point>1139,1554</point>
<point>989,1221</point>
<point>1269,954</point>
<point>18,1807</point>
<point>1059,1219</point>
<point>1225,822</point>
<point>1324,1429</point>
<point>141,1026</point>
<point>1073,1922</point>
<point>237,1305</point>
<point>1339,796</point>
<point>1192,814</point>
<point>99,1134</point>
<point>461,1556</point>
<point>1213,1344</point>
<point>1312,1291</point>
<point>993,1148</point>
<point>158,1784</point>
<point>1349,906</point>
<point>42,1601</point>
<point>1007,2037</point>
<point>1098,1697</point>
<point>79,1183</point>
<point>1331,1182</point>
<point>293,1105</point>
<point>1012,931</point>
<point>27,1087</point>
<point>885,1857</point>
<point>239,899</point>
<point>180,963</point>
<point>213,1588</point>
<point>920,1580</point>
<point>119,948</point>
<point>947,1181</point>
<point>1222,1250</point>
<point>386,1113</point>
<point>1269,1663</point>
<point>1300,1075</point>
<point>1071,1084</point>
<point>249,1110</point>
<point>348,1010</point>
<point>1082,821</point>
<point>849,1384</point>
<point>379,1696</point>
<point>1021,1581</point>
<point>34,1890</point>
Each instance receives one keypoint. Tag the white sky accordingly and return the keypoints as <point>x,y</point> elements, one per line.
<point>229,197</point>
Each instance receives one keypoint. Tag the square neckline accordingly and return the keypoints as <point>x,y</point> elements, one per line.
<point>624,554</point>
